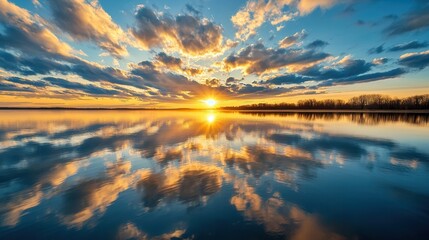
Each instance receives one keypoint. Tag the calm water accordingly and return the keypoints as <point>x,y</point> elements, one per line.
<point>201,175</point>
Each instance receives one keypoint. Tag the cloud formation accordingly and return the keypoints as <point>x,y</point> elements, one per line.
<point>292,40</point>
<point>256,12</point>
<point>27,33</point>
<point>184,33</point>
<point>175,64</point>
<point>257,59</point>
<point>88,21</point>
<point>413,21</point>
<point>249,18</point>
<point>415,60</point>
<point>408,46</point>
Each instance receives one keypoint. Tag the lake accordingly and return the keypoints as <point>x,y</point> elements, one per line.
<point>213,175</point>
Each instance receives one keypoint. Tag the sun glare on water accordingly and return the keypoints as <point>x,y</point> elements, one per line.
<point>210,102</point>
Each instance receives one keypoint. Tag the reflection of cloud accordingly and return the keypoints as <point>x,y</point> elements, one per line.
<point>257,160</point>
<point>131,231</point>
<point>14,207</point>
<point>190,184</point>
<point>88,198</point>
<point>276,216</point>
<point>12,210</point>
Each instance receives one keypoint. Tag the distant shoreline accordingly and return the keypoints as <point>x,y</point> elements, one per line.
<point>229,110</point>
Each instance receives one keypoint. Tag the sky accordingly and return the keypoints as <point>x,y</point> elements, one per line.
<point>174,53</point>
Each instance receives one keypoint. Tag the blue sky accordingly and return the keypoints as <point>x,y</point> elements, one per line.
<point>176,53</point>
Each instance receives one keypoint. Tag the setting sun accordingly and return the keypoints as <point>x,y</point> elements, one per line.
<point>210,102</point>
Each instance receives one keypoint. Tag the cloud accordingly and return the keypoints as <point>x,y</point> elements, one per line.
<point>317,44</point>
<point>415,60</point>
<point>376,50</point>
<point>28,33</point>
<point>88,21</point>
<point>168,84</point>
<point>257,59</point>
<point>370,77</point>
<point>186,34</point>
<point>307,6</point>
<point>380,61</point>
<point>231,80</point>
<point>176,64</point>
<point>169,61</point>
<point>409,45</point>
<point>249,18</point>
<point>256,12</point>
<point>346,67</point>
<point>292,40</point>
<point>192,10</point>
<point>86,88</point>
<point>6,86</point>
<point>30,65</point>
<point>22,81</point>
<point>287,79</point>
<point>415,20</point>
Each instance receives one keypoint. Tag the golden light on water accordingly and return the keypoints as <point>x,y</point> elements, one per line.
<point>211,118</point>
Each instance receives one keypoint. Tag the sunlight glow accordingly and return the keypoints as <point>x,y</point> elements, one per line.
<point>210,102</point>
<point>211,118</point>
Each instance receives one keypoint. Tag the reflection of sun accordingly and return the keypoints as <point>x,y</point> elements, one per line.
<point>211,118</point>
<point>210,102</point>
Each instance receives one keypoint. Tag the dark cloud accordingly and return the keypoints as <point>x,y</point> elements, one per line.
<point>417,19</point>
<point>214,82</point>
<point>409,45</point>
<point>360,22</point>
<point>231,80</point>
<point>345,68</point>
<point>86,88</point>
<point>287,79</point>
<point>176,64</point>
<point>184,33</point>
<point>88,21</point>
<point>167,83</point>
<point>376,50</point>
<point>257,59</point>
<point>317,44</point>
<point>34,83</point>
<point>8,87</point>
<point>169,61</point>
<point>192,10</point>
<point>415,60</point>
<point>30,65</point>
<point>370,77</point>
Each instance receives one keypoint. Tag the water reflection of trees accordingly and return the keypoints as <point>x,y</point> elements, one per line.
<point>360,118</point>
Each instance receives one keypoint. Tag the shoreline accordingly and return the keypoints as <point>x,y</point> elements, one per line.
<point>229,110</point>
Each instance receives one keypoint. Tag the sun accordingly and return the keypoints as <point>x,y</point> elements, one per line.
<point>210,102</point>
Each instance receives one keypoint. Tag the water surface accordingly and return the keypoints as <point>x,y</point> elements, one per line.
<point>213,175</point>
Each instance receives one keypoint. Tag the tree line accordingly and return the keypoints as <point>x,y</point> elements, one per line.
<point>363,102</point>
